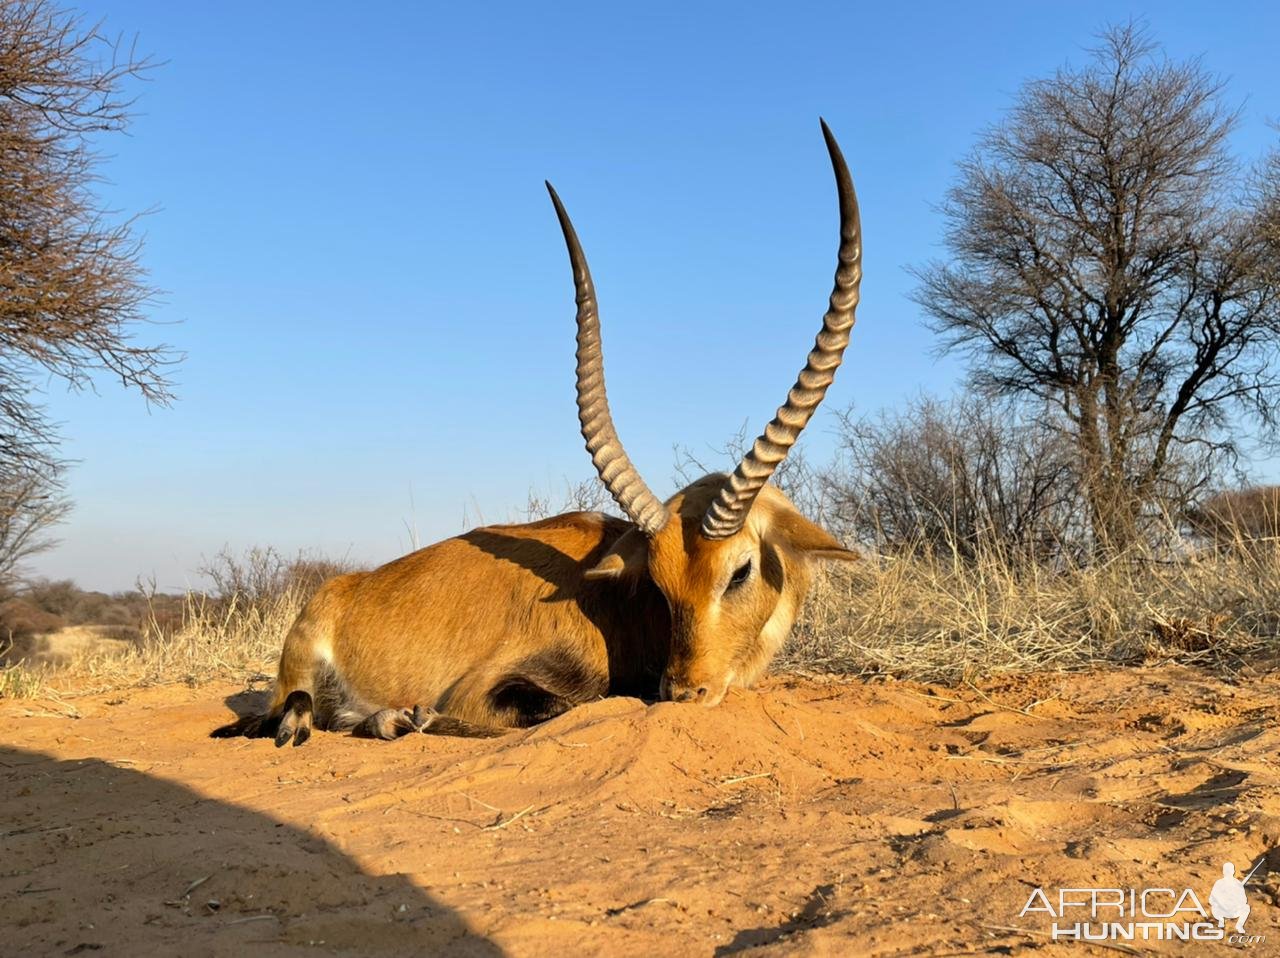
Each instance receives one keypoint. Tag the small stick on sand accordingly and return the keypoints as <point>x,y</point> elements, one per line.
<point>639,904</point>
<point>776,723</point>
<point>744,778</point>
<point>445,818</point>
<point>501,824</point>
<point>1008,708</point>
<point>30,829</point>
<point>477,801</point>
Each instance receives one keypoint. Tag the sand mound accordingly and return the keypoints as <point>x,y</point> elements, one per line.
<point>807,817</point>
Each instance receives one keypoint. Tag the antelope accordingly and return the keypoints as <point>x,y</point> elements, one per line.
<point>507,626</point>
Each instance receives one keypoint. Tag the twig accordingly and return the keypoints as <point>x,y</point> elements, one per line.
<point>492,808</point>
<point>990,701</point>
<point>501,824</point>
<point>994,760</point>
<point>445,818</point>
<point>639,904</point>
<point>36,828</point>
<point>933,697</point>
<point>584,744</point>
<point>743,778</point>
<point>774,720</point>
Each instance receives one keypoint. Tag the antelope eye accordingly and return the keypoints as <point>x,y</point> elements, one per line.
<point>740,576</point>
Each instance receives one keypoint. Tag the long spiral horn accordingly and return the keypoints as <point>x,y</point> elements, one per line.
<point>728,511</point>
<point>607,455</point>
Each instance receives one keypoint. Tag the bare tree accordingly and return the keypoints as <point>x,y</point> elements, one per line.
<point>72,289</point>
<point>30,504</point>
<point>961,478</point>
<point>1108,257</point>
<point>585,495</point>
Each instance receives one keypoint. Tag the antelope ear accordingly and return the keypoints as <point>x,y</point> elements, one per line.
<point>627,557</point>
<point>810,538</point>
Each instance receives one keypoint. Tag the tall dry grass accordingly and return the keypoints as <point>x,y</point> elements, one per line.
<point>933,616</point>
<point>236,641</point>
<point>936,617</point>
<point>232,632</point>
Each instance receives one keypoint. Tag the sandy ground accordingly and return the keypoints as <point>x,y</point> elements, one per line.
<point>807,817</point>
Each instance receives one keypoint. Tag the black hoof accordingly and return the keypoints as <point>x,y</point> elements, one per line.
<point>422,718</point>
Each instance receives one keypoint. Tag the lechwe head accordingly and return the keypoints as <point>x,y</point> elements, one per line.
<point>730,553</point>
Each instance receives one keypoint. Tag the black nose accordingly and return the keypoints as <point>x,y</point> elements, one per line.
<point>684,694</point>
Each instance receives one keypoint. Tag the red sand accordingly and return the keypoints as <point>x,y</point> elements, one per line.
<point>804,818</point>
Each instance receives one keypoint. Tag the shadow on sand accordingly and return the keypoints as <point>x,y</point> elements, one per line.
<point>99,859</point>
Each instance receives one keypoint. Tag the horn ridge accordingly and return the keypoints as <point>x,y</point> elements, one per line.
<point>608,456</point>
<point>728,511</point>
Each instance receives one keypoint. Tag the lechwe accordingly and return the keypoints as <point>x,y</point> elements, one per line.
<point>507,626</point>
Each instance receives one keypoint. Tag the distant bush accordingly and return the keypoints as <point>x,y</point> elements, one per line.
<point>262,575</point>
<point>239,587</point>
<point>1239,518</point>
<point>134,609</point>
<point>233,629</point>
<point>21,618</point>
<point>959,477</point>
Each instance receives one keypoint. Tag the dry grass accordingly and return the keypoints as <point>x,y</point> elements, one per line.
<point>941,619</point>
<point>929,619</point>
<point>20,682</point>
<point>236,640</point>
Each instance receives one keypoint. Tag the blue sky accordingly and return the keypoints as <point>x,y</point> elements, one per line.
<point>365,272</point>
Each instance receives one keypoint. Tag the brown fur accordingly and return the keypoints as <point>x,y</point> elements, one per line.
<point>506,626</point>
